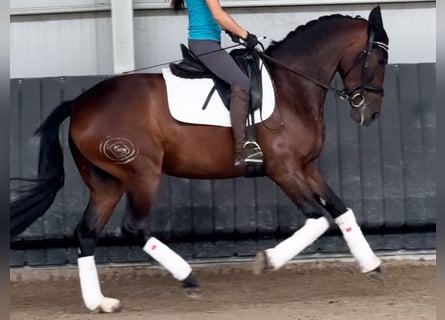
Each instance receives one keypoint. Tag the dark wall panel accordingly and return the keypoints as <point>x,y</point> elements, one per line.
<point>392,155</point>
<point>223,207</point>
<point>427,89</point>
<point>413,167</point>
<point>385,173</point>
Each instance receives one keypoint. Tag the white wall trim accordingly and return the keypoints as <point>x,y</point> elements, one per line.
<point>82,44</point>
<point>24,7</point>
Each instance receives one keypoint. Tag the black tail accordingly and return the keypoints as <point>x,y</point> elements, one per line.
<point>31,200</point>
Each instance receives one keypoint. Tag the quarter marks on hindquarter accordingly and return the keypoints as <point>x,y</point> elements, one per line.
<point>119,150</point>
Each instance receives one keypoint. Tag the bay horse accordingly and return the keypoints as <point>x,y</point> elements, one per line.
<point>122,138</point>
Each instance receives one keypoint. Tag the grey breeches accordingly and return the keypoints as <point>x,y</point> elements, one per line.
<point>219,62</point>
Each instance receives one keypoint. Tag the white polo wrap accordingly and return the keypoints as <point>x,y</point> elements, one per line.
<point>169,259</point>
<point>356,242</point>
<point>89,282</point>
<point>302,238</point>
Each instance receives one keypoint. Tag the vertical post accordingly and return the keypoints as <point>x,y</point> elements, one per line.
<point>123,38</point>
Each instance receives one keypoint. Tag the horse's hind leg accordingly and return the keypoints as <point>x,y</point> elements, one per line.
<point>105,193</point>
<point>345,219</point>
<point>295,186</point>
<point>140,194</point>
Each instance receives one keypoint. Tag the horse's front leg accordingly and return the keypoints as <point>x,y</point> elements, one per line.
<point>345,219</point>
<point>295,186</point>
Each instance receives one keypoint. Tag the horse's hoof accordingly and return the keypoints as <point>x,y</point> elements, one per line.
<point>191,287</point>
<point>108,305</point>
<point>194,292</point>
<point>375,275</point>
<point>260,263</point>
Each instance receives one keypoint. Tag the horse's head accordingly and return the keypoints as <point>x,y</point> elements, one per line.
<point>363,71</point>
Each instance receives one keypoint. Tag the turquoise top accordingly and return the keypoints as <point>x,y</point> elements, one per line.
<point>202,25</point>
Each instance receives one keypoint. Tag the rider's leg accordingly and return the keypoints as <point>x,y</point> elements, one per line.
<point>219,62</point>
<point>245,153</point>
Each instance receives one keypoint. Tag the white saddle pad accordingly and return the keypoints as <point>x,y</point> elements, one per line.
<point>186,98</point>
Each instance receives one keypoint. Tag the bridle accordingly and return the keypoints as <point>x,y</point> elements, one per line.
<point>355,94</point>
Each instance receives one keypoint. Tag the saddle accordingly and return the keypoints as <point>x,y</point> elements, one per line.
<point>249,62</point>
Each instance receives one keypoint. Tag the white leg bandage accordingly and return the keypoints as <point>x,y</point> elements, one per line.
<point>356,242</point>
<point>169,259</point>
<point>89,282</point>
<point>302,238</point>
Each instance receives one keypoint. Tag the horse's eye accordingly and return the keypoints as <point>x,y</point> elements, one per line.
<point>382,61</point>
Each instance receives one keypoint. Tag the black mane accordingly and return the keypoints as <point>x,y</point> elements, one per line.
<point>300,29</point>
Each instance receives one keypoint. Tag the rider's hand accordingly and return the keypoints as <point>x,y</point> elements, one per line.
<point>233,36</point>
<point>251,40</point>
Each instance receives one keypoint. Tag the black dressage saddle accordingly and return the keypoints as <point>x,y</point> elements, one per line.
<point>248,60</point>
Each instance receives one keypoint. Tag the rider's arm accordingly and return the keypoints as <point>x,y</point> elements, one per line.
<point>224,20</point>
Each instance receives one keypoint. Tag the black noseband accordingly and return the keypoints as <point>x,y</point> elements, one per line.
<point>355,94</point>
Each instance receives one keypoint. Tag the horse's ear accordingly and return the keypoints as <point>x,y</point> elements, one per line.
<point>375,18</point>
<point>376,24</point>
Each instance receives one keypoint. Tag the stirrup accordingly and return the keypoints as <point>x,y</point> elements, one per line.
<point>252,144</point>
<point>252,154</point>
<point>254,158</point>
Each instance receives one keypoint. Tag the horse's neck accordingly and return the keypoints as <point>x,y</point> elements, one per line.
<point>316,58</point>
<point>300,99</point>
<point>321,59</point>
<point>296,93</point>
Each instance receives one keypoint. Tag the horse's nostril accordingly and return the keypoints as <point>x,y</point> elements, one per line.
<point>375,115</point>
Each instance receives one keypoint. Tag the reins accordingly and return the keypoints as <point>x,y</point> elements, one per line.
<point>341,93</point>
<point>346,93</point>
<point>179,60</point>
<point>351,94</point>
